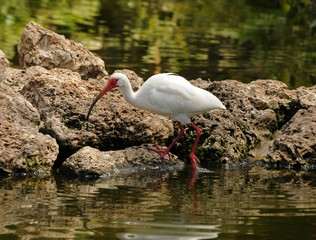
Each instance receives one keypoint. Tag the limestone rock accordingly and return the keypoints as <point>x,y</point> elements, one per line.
<point>18,78</point>
<point>274,95</point>
<point>4,64</point>
<point>295,144</point>
<point>91,161</point>
<point>41,47</point>
<point>307,96</point>
<point>255,112</point>
<point>228,135</point>
<point>22,147</point>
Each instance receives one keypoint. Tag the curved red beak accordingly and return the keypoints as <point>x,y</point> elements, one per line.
<point>110,85</point>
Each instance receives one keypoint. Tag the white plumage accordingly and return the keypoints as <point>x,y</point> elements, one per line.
<point>169,95</point>
<point>175,97</point>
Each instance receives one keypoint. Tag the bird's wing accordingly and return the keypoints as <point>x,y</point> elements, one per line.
<point>174,90</point>
<point>169,100</point>
<point>172,96</point>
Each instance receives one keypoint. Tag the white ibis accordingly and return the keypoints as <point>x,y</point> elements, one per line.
<point>169,95</point>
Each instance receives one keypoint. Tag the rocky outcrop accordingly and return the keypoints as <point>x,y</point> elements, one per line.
<point>307,96</point>
<point>41,47</point>
<point>22,147</point>
<point>294,144</point>
<point>4,65</point>
<point>18,78</point>
<point>258,118</point>
<point>93,162</point>
<point>296,141</point>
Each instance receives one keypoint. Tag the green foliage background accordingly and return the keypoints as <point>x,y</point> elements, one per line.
<point>218,39</point>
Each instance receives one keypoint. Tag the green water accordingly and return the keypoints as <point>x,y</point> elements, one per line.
<point>224,204</point>
<point>219,39</point>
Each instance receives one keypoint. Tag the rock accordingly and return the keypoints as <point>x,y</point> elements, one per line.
<point>274,95</point>
<point>228,135</point>
<point>63,100</point>
<point>4,64</point>
<point>307,96</point>
<point>41,47</point>
<point>22,147</point>
<point>295,145</point>
<point>18,78</point>
<point>255,112</point>
<point>92,162</point>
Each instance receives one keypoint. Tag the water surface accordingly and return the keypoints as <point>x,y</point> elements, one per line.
<point>224,204</point>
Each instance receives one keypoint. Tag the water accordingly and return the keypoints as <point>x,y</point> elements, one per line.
<point>220,39</point>
<point>223,204</point>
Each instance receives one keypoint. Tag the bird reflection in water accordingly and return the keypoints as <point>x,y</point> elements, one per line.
<point>163,225</point>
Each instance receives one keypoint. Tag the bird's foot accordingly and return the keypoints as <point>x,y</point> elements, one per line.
<point>194,160</point>
<point>160,151</point>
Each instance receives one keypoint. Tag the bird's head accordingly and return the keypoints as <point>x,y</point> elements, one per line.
<point>116,80</point>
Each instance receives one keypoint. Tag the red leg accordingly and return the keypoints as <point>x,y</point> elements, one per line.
<point>193,158</point>
<point>164,152</point>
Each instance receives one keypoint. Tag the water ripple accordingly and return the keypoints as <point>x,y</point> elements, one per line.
<point>156,230</point>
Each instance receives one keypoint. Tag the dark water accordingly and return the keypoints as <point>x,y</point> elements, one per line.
<point>224,204</point>
<point>221,39</point>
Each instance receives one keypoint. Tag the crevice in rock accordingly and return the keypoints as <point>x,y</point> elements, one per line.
<point>284,114</point>
<point>64,153</point>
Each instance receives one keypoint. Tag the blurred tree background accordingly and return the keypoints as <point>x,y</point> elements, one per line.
<point>219,39</point>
